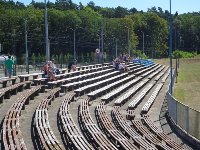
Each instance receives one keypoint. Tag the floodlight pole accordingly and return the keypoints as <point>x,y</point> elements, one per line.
<point>102,43</point>
<point>26,45</point>
<point>170,50</point>
<point>99,41</point>
<point>46,34</point>
<point>142,42</point>
<point>128,40</point>
<point>116,47</point>
<point>74,44</point>
<point>129,53</point>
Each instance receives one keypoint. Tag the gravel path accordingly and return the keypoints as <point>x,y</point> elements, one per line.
<point>53,117</point>
<point>27,121</point>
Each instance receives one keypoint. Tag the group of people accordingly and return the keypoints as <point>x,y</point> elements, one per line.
<point>120,63</point>
<point>50,70</point>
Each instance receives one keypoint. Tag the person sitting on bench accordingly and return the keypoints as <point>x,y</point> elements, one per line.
<point>72,65</point>
<point>56,70</point>
<point>49,70</point>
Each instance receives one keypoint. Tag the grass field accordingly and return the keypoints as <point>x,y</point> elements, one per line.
<point>187,88</point>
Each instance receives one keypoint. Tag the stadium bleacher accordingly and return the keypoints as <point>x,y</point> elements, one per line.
<point>96,107</point>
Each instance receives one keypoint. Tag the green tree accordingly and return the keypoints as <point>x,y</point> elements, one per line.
<point>121,12</point>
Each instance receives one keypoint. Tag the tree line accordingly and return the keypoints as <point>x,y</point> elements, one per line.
<point>93,25</point>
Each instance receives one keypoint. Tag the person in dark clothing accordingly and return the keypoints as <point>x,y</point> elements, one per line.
<point>72,65</point>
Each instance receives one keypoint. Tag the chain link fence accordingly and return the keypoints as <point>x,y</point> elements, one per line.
<point>37,64</point>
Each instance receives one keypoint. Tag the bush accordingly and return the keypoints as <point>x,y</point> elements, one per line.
<point>182,54</point>
<point>138,53</point>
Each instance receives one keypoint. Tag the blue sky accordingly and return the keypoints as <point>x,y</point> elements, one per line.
<point>182,6</point>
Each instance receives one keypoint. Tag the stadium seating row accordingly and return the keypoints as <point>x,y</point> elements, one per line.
<point>12,137</point>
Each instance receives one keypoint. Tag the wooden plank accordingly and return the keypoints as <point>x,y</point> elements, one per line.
<point>160,133</point>
<point>111,130</point>
<point>92,128</point>
<point>125,127</point>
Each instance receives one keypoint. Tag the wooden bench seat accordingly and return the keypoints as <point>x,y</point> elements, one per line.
<point>78,68</point>
<point>72,132</point>
<point>153,71</point>
<point>140,128</point>
<point>160,133</point>
<point>74,85</point>
<point>106,64</point>
<point>67,74</point>
<point>86,71</point>
<point>132,67</point>
<point>91,67</point>
<point>12,137</point>
<point>146,69</point>
<point>63,75</point>
<point>125,97</point>
<point>109,96</point>
<point>84,67</point>
<point>5,93</point>
<point>82,80</point>
<point>156,72</point>
<point>141,95</point>
<point>143,70</point>
<point>5,80</point>
<point>58,83</point>
<point>25,77</point>
<point>128,131</point>
<point>95,67</point>
<point>150,101</point>
<point>40,81</point>
<point>111,131</point>
<point>45,133</point>
<point>94,72</point>
<point>63,70</point>
<point>98,65</point>
<point>160,74</point>
<point>99,82</point>
<point>79,77</point>
<point>70,77</point>
<point>109,87</point>
<point>136,68</point>
<point>14,133</point>
<point>165,76</point>
<point>91,130</point>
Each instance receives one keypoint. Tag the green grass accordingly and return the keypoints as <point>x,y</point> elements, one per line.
<point>165,61</point>
<point>187,88</point>
<point>198,56</point>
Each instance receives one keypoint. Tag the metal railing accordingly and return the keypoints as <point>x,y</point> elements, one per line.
<point>184,116</point>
